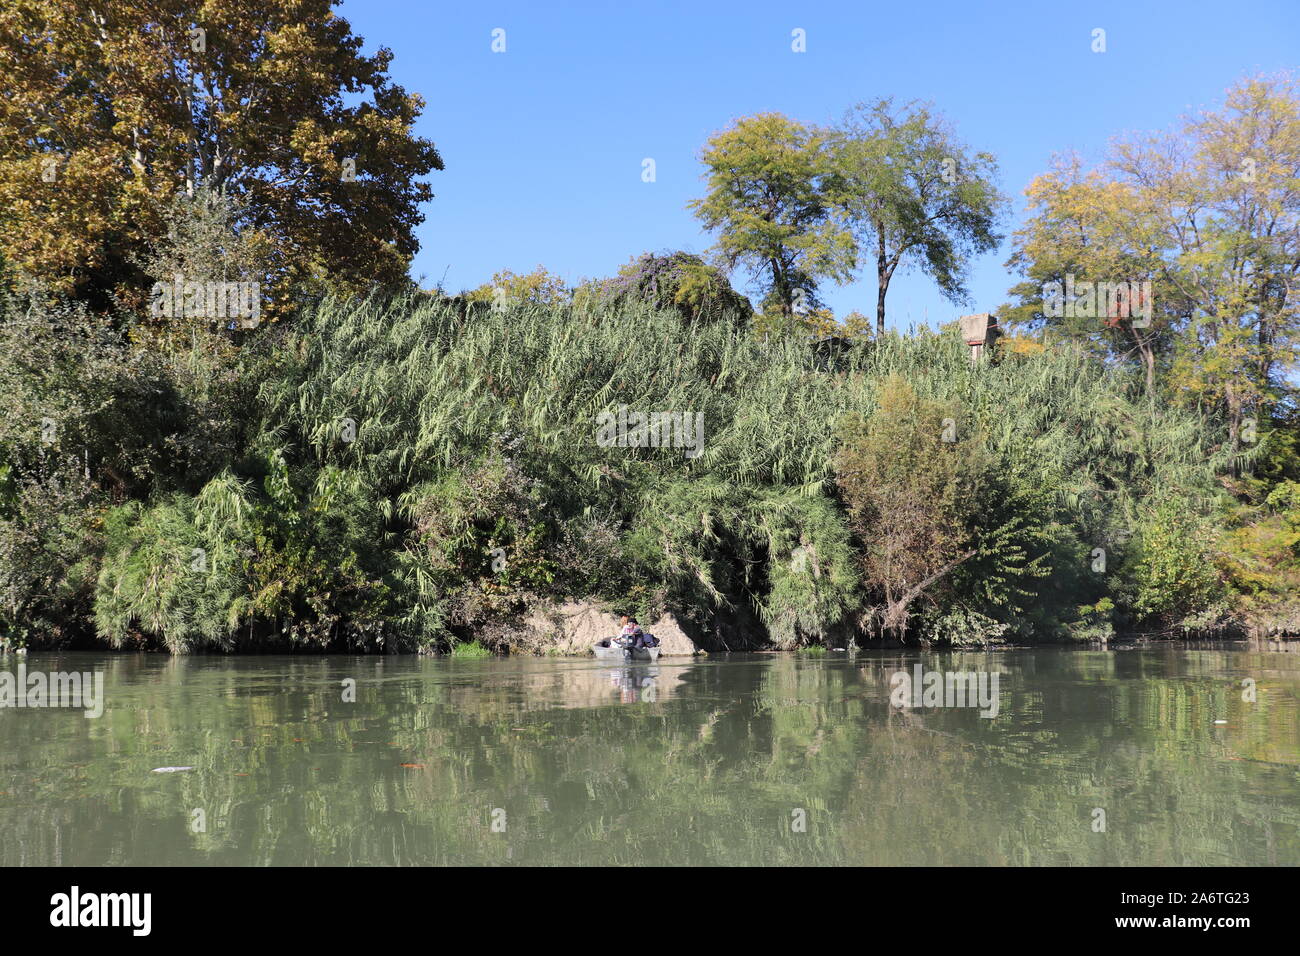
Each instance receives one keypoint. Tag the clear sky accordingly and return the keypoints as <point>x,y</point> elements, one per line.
<point>544,143</point>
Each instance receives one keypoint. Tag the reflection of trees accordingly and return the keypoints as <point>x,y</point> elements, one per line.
<point>707,772</point>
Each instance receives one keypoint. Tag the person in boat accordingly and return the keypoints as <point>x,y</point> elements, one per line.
<point>631,634</point>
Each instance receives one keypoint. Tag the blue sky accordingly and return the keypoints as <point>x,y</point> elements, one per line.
<point>544,143</point>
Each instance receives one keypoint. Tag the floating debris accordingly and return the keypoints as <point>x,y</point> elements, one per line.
<point>1220,721</point>
<point>170,769</point>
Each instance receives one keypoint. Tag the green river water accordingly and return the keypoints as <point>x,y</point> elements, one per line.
<point>1094,758</point>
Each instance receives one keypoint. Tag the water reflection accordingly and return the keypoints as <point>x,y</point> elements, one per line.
<point>705,762</point>
<point>636,683</point>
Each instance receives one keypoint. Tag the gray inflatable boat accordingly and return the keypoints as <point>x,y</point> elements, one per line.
<point>612,650</point>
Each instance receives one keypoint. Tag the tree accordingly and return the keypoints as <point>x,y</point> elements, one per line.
<point>925,506</point>
<point>1088,233</point>
<point>111,109</point>
<point>1210,215</point>
<point>1235,246</point>
<point>1172,575</point>
<point>767,202</point>
<point>907,501</point>
<point>913,192</point>
<point>538,287</point>
<point>203,239</point>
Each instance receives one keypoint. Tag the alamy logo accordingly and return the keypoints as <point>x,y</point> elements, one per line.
<point>923,688</point>
<point>651,430</point>
<point>54,689</point>
<point>1111,301</point>
<point>103,909</point>
<point>207,300</point>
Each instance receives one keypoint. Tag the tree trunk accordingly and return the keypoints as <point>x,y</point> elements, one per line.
<point>780,286</point>
<point>882,284</point>
<point>1234,421</point>
<point>896,611</point>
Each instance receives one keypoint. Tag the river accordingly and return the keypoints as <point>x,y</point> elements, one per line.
<point>1147,755</point>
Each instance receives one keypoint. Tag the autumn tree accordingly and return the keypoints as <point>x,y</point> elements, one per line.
<point>767,202</point>
<point>914,193</point>
<point>926,501</point>
<point>1210,215</point>
<point>1235,247</point>
<point>1087,231</point>
<point>907,501</point>
<point>111,109</point>
<point>509,288</point>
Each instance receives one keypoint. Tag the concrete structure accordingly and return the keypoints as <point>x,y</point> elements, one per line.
<point>980,331</point>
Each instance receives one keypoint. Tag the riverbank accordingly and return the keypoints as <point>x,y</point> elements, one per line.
<point>569,630</point>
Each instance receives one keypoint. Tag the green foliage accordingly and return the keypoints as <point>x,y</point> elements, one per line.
<point>914,193</point>
<point>470,651</point>
<point>768,203</point>
<point>1171,568</point>
<point>935,519</point>
<point>50,540</point>
<point>210,237</point>
<point>813,587</point>
<point>94,418</point>
<point>392,474</point>
<point>677,280</point>
<point>960,626</point>
<point>538,287</point>
<point>156,580</point>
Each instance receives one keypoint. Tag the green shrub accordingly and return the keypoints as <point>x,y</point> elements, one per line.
<point>1171,575</point>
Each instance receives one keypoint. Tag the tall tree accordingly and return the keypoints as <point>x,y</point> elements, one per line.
<point>1236,246</point>
<point>1087,229</point>
<point>914,193</point>
<point>767,202</point>
<point>111,109</point>
<point>1210,213</point>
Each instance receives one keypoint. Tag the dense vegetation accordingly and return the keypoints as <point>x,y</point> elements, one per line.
<point>408,472</point>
